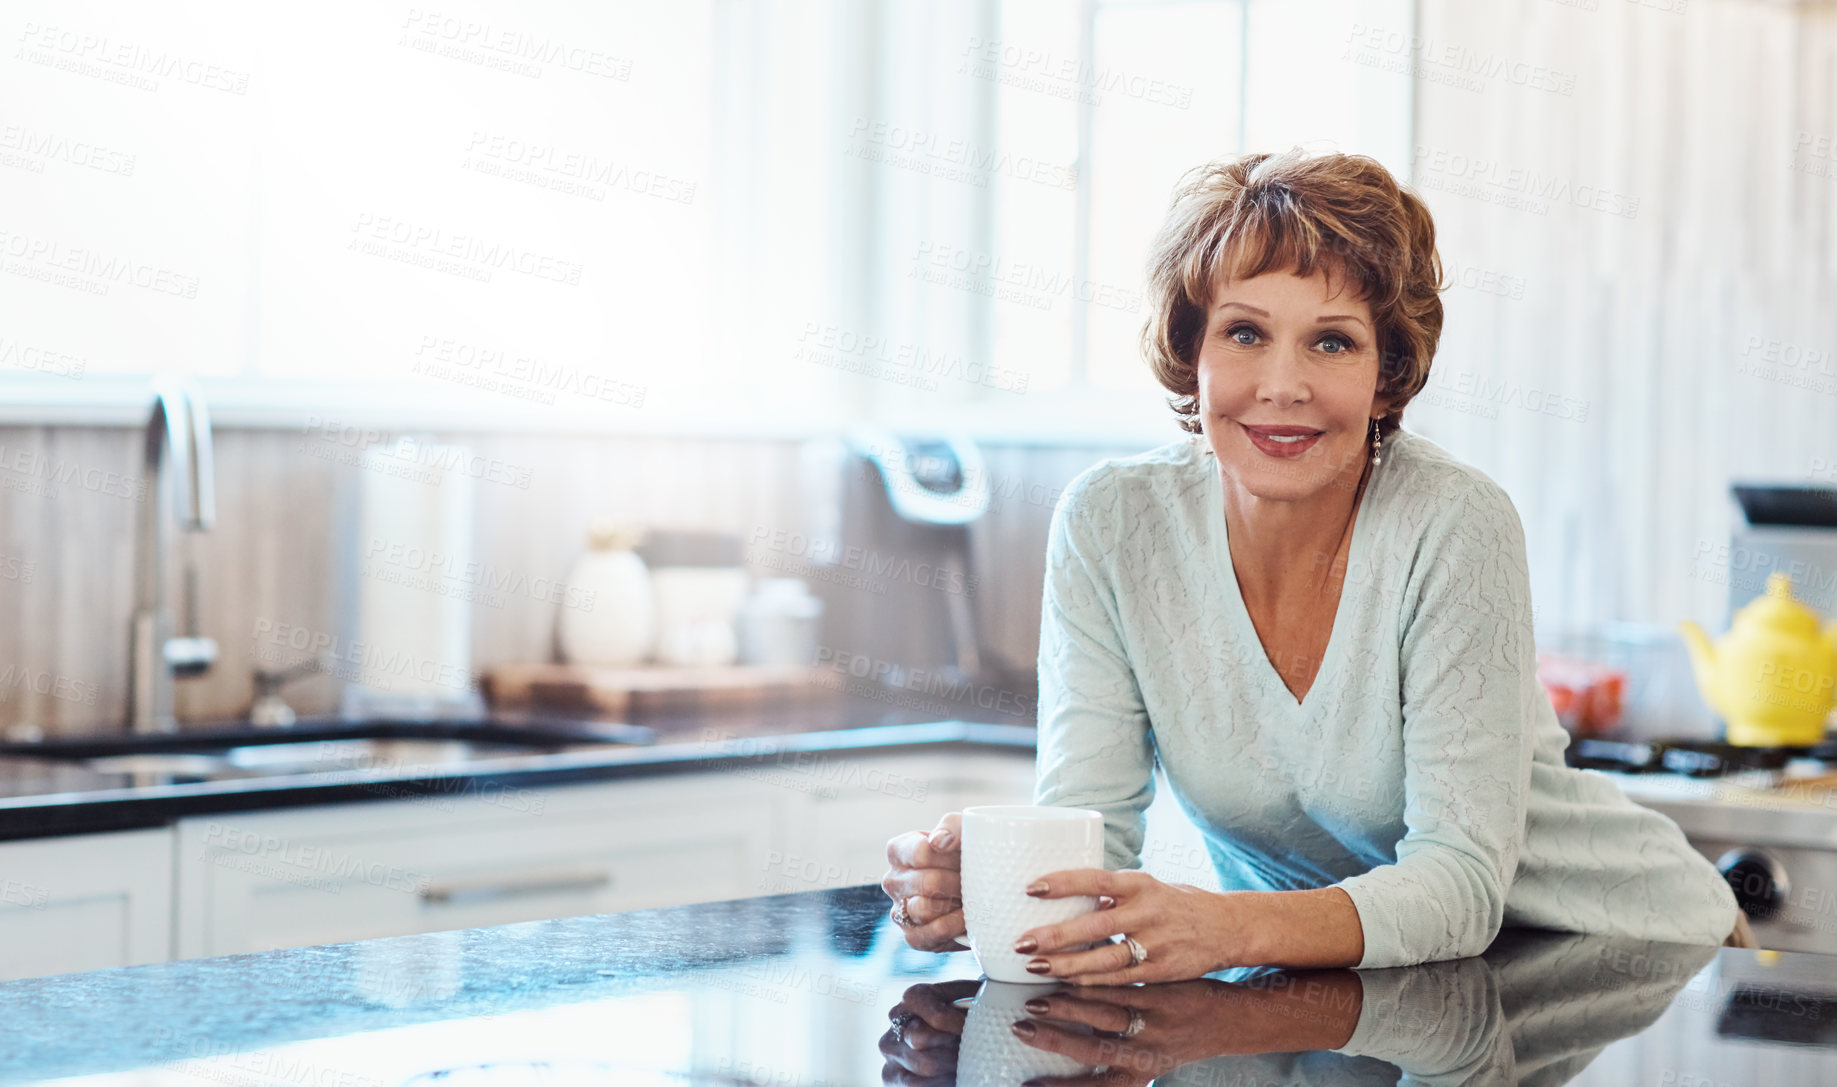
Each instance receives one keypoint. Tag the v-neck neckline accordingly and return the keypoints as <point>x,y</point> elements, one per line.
<point>1221,552</point>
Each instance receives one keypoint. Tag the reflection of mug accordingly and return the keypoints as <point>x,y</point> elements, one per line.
<point>991,1054</point>
<point>1007,847</point>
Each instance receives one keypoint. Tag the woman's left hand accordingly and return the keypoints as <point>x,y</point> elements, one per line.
<point>1184,930</point>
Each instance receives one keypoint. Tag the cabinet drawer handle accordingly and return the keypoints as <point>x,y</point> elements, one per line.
<point>460,894</point>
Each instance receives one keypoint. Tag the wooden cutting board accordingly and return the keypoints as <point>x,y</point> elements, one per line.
<point>630,692</point>
<point>1813,784</point>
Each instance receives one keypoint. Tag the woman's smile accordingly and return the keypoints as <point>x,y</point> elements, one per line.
<point>1282,441</point>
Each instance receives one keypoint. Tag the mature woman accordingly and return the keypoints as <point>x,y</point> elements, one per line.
<point>1319,625</point>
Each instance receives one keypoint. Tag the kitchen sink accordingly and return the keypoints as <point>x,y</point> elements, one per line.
<point>345,754</point>
<point>240,750</point>
<point>174,765</point>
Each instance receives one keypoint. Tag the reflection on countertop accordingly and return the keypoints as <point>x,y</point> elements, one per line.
<point>1537,1007</point>
<point>818,989</point>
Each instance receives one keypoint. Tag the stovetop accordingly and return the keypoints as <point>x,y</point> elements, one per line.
<point>1693,758</point>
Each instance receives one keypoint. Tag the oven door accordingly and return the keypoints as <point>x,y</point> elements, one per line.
<point>1788,890</point>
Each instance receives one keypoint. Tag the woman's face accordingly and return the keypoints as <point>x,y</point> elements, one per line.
<point>1288,372</point>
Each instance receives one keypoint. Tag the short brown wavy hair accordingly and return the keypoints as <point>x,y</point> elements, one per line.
<point>1295,211</point>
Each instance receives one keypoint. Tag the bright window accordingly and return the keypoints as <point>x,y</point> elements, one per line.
<point>634,214</point>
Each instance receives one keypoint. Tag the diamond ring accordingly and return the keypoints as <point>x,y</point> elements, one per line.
<point>900,916</point>
<point>1137,953</point>
<point>1136,1023</point>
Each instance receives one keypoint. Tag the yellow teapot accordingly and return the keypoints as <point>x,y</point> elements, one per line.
<point>1773,676</point>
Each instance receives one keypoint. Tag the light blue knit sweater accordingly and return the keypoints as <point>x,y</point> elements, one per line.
<point>1423,774</point>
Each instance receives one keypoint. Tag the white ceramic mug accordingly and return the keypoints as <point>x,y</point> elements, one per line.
<point>1005,848</point>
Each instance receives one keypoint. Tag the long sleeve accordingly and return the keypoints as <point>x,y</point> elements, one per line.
<point>1566,997</point>
<point>1469,699</point>
<point>1094,745</point>
<point>1440,1023</point>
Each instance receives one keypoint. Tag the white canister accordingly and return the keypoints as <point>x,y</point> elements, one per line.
<point>778,624</point>
<point>699,579</point>
<point>695,614</point>
<point>608,614</point>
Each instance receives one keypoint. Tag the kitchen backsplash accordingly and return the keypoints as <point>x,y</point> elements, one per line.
<point>280,570</point>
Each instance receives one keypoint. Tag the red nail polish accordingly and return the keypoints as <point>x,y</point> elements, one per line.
<point>1038,966</point>
<point>1026,945</point>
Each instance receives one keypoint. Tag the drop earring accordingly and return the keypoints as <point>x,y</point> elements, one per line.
<point>1377,445</point>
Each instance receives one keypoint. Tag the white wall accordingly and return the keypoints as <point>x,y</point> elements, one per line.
<point>1688,222</point>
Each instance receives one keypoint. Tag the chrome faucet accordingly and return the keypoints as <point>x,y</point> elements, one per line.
<point>178,443</point>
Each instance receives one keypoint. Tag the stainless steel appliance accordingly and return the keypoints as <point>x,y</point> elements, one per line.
<point>1790,528</point>
<point>1767,817</point>
<point>890,558</point>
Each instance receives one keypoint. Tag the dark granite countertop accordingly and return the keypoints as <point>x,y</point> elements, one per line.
<point>39,798</point>
<point>806,990</point>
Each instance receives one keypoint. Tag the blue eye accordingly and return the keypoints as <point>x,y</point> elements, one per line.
<point>1343,345</point>
<point>1243,334</point>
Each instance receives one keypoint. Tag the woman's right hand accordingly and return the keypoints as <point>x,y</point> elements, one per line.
<point>924,872</point>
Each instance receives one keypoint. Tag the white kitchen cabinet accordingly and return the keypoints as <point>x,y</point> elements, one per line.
<point>865,800</point>
<point>241,882</point>
<point>263,880</point>
<point>85,902</point>
<point>1005,778</point>
<point>797,822</point>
